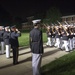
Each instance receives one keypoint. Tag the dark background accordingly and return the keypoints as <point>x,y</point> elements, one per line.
<point>26,8</point>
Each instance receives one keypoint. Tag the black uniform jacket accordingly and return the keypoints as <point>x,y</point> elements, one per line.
<point>1,35</point>
<point>36,43</point>
<point>14,39</point>
<point>6,37</point>
<point>49,34</point>
<point>57,35</point>
<point>65,36</point>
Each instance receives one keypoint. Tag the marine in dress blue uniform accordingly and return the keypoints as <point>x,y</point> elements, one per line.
<point>6,37</point>
<point>53,36</point>
<point>14,43</point>
<point>57,37</point>
<point>74,37</point>
<point>1,39</point>
<point>70,38</point>
<point>36,45</point>
<point>49,36</point>
<point>65,37</point>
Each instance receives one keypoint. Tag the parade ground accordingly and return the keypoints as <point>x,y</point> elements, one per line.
<point>25,66</point>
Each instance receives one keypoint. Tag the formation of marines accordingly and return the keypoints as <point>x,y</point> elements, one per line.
<point>9,40</point>
<point>61,36</point>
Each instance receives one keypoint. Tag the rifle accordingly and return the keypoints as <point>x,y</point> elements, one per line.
<point>66,23</point>
<point>63,28</point>
<point>44,24</point>
<point>53,27</point>
<point>58,22</point>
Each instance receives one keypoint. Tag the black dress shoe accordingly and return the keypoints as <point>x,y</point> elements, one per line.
<point>15,63</point>
<point>67,51</point>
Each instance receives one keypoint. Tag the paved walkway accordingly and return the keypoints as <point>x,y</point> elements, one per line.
<point>24,67</point>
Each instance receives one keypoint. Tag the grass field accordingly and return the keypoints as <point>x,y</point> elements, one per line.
<point>24,39</point>
<point>61,66</point>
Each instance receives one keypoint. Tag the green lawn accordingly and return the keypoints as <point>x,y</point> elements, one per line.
<point>61,66</point>
<point>24,39</point>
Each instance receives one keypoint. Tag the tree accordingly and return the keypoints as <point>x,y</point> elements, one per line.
<point>17,21</point>
<point>52,15</point>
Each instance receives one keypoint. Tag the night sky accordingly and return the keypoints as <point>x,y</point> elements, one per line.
<point>23,7</point>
